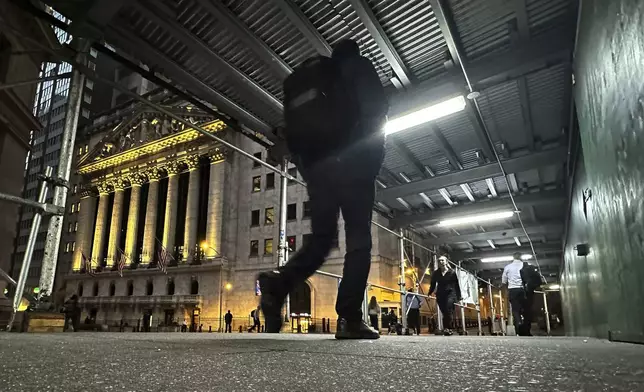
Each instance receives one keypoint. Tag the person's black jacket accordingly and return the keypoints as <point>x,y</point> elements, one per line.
<point>228,318</point>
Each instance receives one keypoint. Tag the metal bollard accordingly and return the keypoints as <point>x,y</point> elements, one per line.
<point>463,324</point>
<point>547,314</point>
<point>478,320</point>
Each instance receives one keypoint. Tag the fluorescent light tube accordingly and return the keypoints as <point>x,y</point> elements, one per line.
<point>424,115</point>
<point>501,259</point>
<point>477,218</point>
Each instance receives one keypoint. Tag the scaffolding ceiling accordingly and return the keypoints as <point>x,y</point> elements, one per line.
<point>235,54</point>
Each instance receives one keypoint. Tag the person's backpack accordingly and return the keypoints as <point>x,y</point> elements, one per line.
<point>531,277</point>
<point>320,108</point>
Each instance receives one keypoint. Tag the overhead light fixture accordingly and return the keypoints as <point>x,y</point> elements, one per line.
<point>491,243</point>
<point>424,115</point>
<point>517,241</point>
<point>554,287</point>
<point>477,218</point>
<point>500,259</point>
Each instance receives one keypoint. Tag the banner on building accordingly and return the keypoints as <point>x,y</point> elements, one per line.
<point>257,290</point>
<point>469,287</point>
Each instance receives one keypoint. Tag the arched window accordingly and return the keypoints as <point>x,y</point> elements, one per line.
<point>80,289</point>
<point>112,289</point>
<point>149,287</point>
<point>170,287</point>
<point>95,291</point>
<point>194,286</point>
<point>130,288</point>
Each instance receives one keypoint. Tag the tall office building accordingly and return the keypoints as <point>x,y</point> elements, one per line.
<point>49,107</point>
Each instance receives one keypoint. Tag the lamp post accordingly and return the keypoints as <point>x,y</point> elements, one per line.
<point>204,246</point>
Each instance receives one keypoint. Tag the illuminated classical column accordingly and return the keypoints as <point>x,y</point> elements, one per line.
<point>192,209</point>
<point>115,226</point>
<point>149,233</point>
<point>171,203</point>
<point>101,223</point>
<point>137,181</point>
<point>85,232</point>
<point>214,225</point>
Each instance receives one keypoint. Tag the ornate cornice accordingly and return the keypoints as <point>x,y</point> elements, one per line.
<point>120,184</point>
<point>173,168</point>
<point>137,179</point>
<point>193,162</point>
<point>104,188</point>
<point>154,174</point>
<point>217,155</point>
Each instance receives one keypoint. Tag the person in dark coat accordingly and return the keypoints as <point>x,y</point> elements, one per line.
<point>72,312</point>
<point>228,318</point>
<point>448,292</point>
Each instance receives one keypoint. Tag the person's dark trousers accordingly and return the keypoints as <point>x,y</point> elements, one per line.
<point>339,183</point>
<point>413,319</point>
<point>257,325</point>
<point>517,301</point>
<point>229,328</point>
<point>446,304</point>
<point>374,321</point>
<point>527,313</point>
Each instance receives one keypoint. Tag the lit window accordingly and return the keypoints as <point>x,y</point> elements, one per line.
<point>67,245</point>
<point>257,155</point>
<point>75,227</point>
<point>270,181</point>
<point>257,184</point>
<point>307,209</point>
<point>293,172</point>
<point>269,216</point>
<point>254,218</point>
<point>254,248</point>
<point>268,247</point>
<point>80,151</point>
<point>75,189</point>
<point>291,212</point>
<point>93,52</point>
<point>73,246</point>
<point>70,226</point>
<point>73,208</point>
<point>86,148</point>
<point>291,243</point>
<point>78,207</point>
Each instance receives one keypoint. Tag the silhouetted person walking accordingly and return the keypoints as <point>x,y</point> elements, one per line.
<point>448,292</point>
<point>374,312</point>
<point>413,316</point>
<point>335,109</point>
<point>228,318</point>
<point>254,315</point>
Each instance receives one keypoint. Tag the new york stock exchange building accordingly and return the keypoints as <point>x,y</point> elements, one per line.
<point>144,183</point>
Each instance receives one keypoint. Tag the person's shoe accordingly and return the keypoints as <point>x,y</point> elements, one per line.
<point>448,332</point>
<point>355,330</point>
<point>271,301</point>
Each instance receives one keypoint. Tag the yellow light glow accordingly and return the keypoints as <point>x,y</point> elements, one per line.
<point>204,245</point>
<point>228,286</point>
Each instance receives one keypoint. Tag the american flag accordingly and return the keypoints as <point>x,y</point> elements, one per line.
<point>88,265</point>
<point>122,262</point>
<point>164,258</point>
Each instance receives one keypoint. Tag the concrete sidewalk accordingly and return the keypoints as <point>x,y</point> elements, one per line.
<point>211,362</point>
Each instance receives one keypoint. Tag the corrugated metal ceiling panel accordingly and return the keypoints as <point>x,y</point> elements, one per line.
<point>545,14</point>
<point>501,109</point>
<point>413,31</point>
<point>546,101</point>
<point>459,132</point>
<point>269,23</point>
<point>482,26</point>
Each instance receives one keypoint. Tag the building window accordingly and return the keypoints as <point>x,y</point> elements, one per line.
<point>80,151</point>
<point>73,208</point>
<point>268,247</point>
<point>78,207</point>
<point>67,246</point>
<point>75,189</point>
<point>270,181</point>
<point>93,52</point>
<point>80,289</point>
<point>87,98</point>
<point>257,155</point>
<point>149,287</point>
<point>291,243</point>
<point>95,291</point>
<point>86,148</point>
<point>291,212</point>
<point>293,172</point>
<point>269,216</point>
<point>130,288</point>
<point>194,286</point>
<point>70,227</point>
<point>85,113</point>
<point>75,227</point>
<point>170,287</point>
<point>73,246</point>
<point>89,84</point>
<point>257,184</point>
<point>254,218</point>
<point>254,248</point>
<point>91,65</point>
<point>112,289</point>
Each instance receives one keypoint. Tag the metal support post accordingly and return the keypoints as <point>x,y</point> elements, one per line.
<point>365,306</point>
<point>403,295</point>
<point>55,229</point>
<point>463,327</point>
<point>29,251</point>
<point>492,310</point>
<point>283,246</point>
<point>503,326</point>
<point>221,293</point>
<point>547,314</point>
<point>478,319</point>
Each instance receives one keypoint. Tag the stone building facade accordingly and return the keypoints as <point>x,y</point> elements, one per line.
<point>152,184</point>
